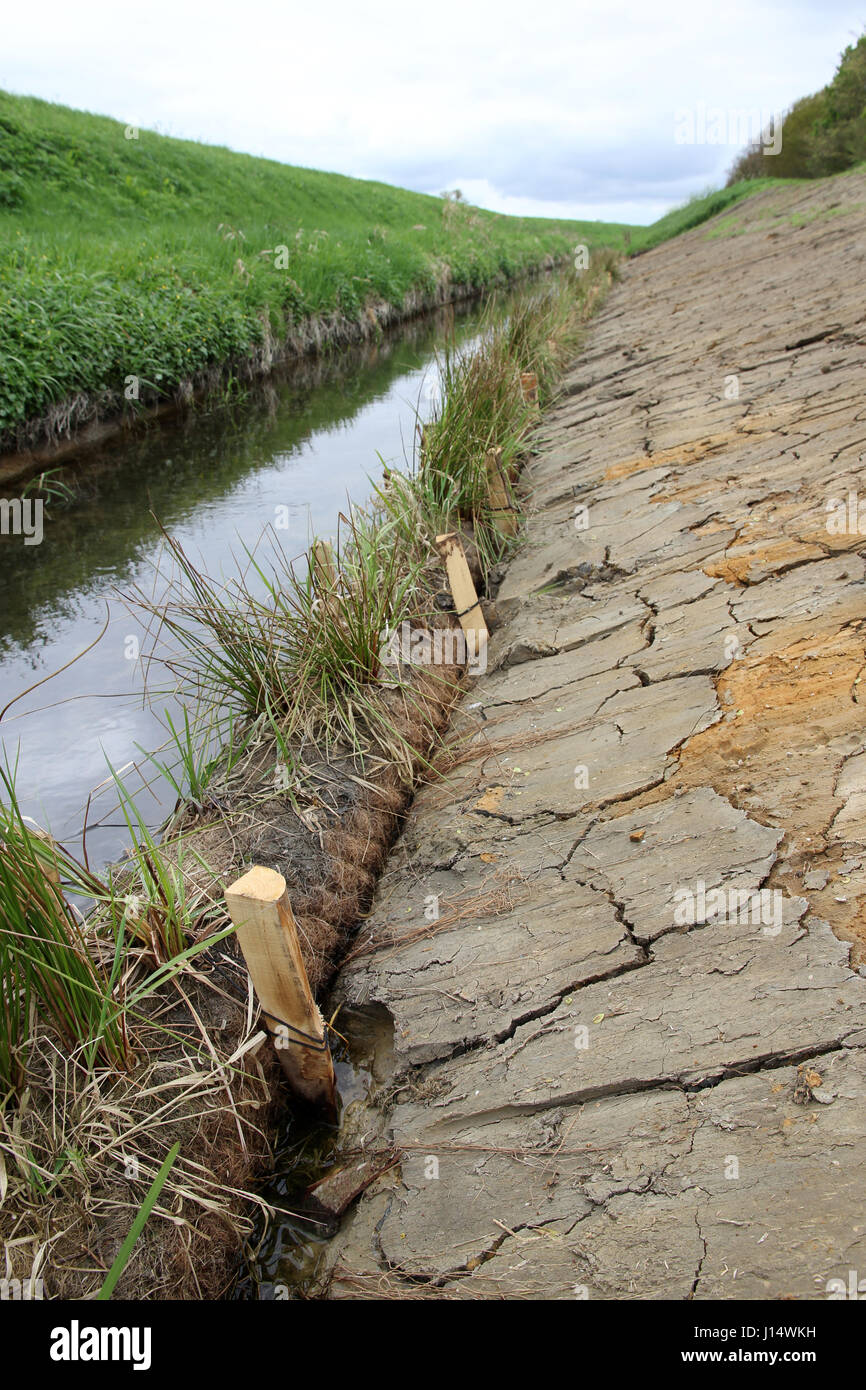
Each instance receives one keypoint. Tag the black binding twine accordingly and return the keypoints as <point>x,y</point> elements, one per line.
<point>303,1039</point>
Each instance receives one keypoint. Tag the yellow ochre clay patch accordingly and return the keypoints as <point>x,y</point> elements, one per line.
<point>791,718</point>
<point>746,564</point>
<point>680,454</point>
<point>491,801</point>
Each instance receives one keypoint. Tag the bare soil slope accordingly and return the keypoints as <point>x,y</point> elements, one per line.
<point>609,1078</point>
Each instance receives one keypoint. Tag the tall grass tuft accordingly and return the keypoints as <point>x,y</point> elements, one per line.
<point>158,911</point>
<point>47,966</point>
<point>288,643</point>
<point>481,407</point>
<point>337,627</point>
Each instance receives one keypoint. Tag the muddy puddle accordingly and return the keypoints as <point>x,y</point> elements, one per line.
<point>285,1258</point>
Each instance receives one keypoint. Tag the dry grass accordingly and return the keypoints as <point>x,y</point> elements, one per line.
<point>81,1149</point>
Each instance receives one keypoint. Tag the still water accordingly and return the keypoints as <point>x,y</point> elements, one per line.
<point>294,452</point>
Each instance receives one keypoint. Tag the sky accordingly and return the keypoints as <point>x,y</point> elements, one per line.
<point>603,109</point>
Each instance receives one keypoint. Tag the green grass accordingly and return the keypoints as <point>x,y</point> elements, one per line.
<point>284,644</point>
<point>482,407</point>
<point>46,960</point>
<point>85,977</point>
<point>154,258</point>
<point>147,1206</point>
<point>698,209</point>
<point>153,265</point>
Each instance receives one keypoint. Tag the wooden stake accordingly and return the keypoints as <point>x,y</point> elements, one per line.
<point>529,383</point>
<point>259,906</point>
<point>46,853</point>
<point>324,569</point>
<point>466,603</point>
<point>502,511</point>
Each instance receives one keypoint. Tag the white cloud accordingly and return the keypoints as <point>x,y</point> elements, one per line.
<point>483,193</point>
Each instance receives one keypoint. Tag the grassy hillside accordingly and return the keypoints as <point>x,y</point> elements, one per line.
<point>158,259</point>
<point>126,254</point>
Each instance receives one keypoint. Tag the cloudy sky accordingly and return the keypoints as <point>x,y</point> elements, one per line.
<point>548,107</point>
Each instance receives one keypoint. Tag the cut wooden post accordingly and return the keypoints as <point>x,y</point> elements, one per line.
<point>259,906</point>
<point>324,569</point>
<point>46,852</point>
<point>466,603</point>
<point>333,1193</point>
<point>502,511</point>
<point>529,383</point>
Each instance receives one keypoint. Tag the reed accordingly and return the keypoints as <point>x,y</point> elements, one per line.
<point>281,642</point>
<point>47,964</point>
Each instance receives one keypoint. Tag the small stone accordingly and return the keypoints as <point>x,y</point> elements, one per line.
<point>816,879</point>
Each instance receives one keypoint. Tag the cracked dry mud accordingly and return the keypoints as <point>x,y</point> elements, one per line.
<point>621,1103</point>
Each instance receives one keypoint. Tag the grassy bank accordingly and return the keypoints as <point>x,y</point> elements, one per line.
<point>130,1036</point>
<point>135,263</point>
<point>137,269</point>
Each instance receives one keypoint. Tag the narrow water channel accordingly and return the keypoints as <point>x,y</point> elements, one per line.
<point>299,448</point>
